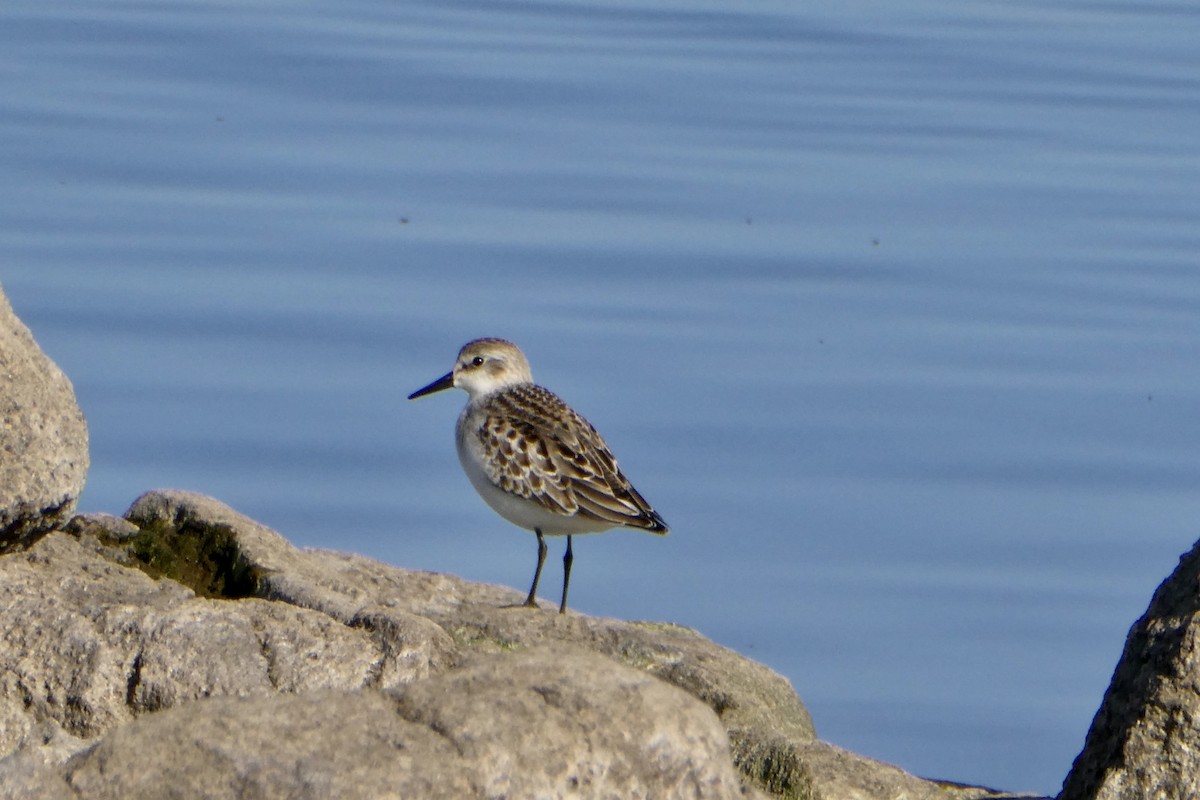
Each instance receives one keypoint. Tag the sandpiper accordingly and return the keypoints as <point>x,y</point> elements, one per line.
<point>533,459</point>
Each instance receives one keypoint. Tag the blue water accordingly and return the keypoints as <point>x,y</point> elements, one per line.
<point>891,310</point>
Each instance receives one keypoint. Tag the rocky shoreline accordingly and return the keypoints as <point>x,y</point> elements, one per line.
<point>185,650</point>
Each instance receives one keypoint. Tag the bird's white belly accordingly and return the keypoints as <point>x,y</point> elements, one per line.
<point>517,510</point>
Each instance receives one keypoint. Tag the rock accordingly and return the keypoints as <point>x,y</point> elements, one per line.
<point>552,721</point>
<point>1145,740</point>
<point>759,708</point>
<point>88,645</point>
<point>540,723</point>
<point>836,774</point>
<point>327,744</point>
<point>189,651</point>
<point>43,438</point>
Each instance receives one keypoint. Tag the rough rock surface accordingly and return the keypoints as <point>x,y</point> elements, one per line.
<point>512,725</point>
<point>43,437</point>
<point>189,651</point>
<point>1145,739</point>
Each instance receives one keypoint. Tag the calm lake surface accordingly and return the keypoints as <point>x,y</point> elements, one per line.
<point>891,309</point>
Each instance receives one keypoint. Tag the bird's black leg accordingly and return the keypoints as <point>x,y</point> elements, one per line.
<point>568,557</point>
<point>531,601</point>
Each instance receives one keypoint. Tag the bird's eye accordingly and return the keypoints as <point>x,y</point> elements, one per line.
<point>477,361</point>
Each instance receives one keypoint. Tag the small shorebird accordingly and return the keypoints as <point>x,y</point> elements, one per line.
<point>533,459</point>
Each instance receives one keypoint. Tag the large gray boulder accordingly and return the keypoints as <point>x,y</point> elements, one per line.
<point>188,651</point>
<point>43,437</point>
<point>539,723</point>
<point>1145,740</point>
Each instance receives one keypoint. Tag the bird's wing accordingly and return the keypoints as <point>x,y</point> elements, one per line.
<point>539,448</point>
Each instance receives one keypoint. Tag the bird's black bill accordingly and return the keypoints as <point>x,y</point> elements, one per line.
<point>444,382</point>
